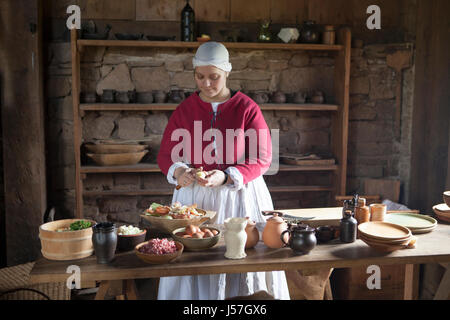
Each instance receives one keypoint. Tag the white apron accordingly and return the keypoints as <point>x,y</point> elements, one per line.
<point>249,201</point>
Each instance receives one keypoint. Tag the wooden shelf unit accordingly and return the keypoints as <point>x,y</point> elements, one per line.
<point>339,115</point>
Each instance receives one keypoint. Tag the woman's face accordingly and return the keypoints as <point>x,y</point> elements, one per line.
<point>211,81</point>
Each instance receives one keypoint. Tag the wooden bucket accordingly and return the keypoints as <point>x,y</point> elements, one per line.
<point>68,245</point>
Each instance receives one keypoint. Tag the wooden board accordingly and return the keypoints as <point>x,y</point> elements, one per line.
<point>321,216</point>
<point>387,189</point>
<point>289,11</point>
<point>212,11</point>
<point>160,10</point>
<point>249,10</point>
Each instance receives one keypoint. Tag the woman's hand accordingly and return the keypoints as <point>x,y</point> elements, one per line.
<point>213,178</point>
<point>185,176</point>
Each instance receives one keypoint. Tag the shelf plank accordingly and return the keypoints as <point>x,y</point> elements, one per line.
<point>230,45</point>
<point>171,107</point>
<point>168,192</point>
<point>153,167</point>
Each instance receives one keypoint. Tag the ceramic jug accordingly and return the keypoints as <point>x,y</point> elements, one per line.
<point>302,239</point>
<point>252,234</point>
<point>104,239</point>
<point>273,230</point>
<point>235,238</point>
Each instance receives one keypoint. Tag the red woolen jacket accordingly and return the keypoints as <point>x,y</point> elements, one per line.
<point>242,137</point>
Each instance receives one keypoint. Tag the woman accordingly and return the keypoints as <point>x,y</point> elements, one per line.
<point>223,133</point>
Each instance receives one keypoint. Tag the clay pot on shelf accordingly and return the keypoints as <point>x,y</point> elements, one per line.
<point>271,235</point>
<point>132,96</point>
<point>278,97</point>
<point>144,97</point>
<point>88,97</point>
<point>176,96</point>
<point>317,97</point>
<point>122,97</point>
<point>252,234</point>
<point>160,96</point>
<point>299,97</point>
<point>108,96</point>
<point>309,32</point>
<point>260,97</point>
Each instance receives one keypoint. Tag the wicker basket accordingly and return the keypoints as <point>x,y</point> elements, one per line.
<point>14,285</point>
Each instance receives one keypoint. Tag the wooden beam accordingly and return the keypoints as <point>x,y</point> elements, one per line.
<point>22,107</point>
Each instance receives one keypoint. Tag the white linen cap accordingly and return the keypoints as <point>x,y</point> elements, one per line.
<point>212,53</point>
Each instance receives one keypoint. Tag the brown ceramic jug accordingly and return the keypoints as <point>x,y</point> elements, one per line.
<point>272,232</point>
<point>252,234</point>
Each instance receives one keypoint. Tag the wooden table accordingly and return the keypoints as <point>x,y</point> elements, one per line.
<point>432,247</point>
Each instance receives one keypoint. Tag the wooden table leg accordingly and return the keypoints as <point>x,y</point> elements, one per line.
<point>443,291</point>
<point>411,291</point>
<point>102,290</point>
<point>130,290</point>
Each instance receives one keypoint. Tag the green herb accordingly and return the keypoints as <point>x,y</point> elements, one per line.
<point>79,225</point>
<point>155,205</point>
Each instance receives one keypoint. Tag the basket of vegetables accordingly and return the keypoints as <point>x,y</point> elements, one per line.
<point>67,239</point>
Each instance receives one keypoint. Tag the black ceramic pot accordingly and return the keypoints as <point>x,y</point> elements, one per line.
<point>302,239</point>
<point>104,239</point>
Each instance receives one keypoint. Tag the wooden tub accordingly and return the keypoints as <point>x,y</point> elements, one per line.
<point>68,245</point>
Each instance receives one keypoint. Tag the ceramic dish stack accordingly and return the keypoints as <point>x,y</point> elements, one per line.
<point>442,212</point>
<point>116,154</point>
<point>385,236</point>
<point>417,223</point>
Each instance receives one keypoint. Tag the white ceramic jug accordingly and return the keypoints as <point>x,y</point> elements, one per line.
<point>235,238</point>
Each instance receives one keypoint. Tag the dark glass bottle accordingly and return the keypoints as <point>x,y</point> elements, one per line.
<point>187,23</point>
<point>348,227</point>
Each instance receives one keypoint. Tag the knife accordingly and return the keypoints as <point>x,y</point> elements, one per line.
<point>281,214</point>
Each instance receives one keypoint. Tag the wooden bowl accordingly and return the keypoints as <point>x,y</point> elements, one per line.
<point>159,258</point>
<point>203,39</point>
<point>117,159</point>
<point>440,210</point>
<point>114,148</point>
<point>168,225</point>
<point>127,242</point>
<point>446,196</point>
<point>69,245</point>
<point>384,247</point>
<point>193,244</point>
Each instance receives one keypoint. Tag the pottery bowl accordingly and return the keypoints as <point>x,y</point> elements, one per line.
<point>114,148</point>
<point>446,196</point>
<point>159,258</point>
<point>168,225</point>
<point>117,159</point>
<point>127,242</point>
<point>193,244</point>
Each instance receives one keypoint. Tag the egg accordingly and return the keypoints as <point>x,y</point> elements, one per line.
<point>208,234</point>
<point>205,229</point>
<point>198,235</point>
<point>187,236</point>
<point>214,232</point>
<point>191,229</point>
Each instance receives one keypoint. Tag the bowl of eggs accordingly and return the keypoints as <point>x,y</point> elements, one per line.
<point>197,238</point>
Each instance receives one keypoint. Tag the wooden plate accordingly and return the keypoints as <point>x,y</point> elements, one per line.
<point>384,247</point>
<point>384,230</point>
<point>386,242</point>
<point>411,221</point>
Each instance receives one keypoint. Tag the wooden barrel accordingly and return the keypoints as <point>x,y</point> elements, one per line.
<point>66,245</point>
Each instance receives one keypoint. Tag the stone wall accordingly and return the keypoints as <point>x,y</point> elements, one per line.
<point>373,150</point>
